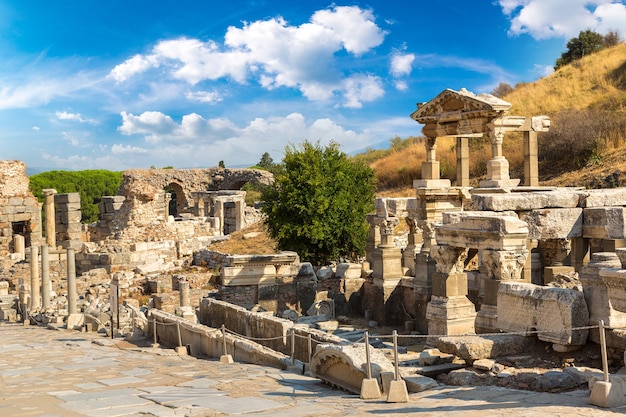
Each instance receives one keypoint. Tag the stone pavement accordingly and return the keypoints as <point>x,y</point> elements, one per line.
<point>48,373</point>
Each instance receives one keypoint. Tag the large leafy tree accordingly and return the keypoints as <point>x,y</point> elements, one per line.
<point>318,202</point>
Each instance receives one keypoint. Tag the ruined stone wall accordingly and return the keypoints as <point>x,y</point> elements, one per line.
<point>20,212</point>
<point>13,179</point>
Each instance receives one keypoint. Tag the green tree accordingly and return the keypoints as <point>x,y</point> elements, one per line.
<point>221,164</point>
<point>318,202</point>
<point>266,162</point>
<point>587,42</point>
<point>90,184</point>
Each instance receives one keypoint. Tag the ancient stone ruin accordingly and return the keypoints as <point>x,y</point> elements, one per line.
<point>481,273</point>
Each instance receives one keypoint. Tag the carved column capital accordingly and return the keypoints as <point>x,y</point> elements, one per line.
<point>505,265</point>
<point>449,259</point>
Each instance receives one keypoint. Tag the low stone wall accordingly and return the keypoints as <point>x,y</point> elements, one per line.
<point>207,341</point>
<point>271,331</point>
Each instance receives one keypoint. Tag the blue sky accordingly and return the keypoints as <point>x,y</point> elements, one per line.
<point>132,84</point>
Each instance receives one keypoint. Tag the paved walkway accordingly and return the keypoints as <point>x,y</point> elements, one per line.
<point>48,373</point>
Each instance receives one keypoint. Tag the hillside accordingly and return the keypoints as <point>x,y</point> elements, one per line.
<point>586,102</point>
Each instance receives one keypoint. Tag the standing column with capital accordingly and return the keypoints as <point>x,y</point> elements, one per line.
<point>48,194</point>
<point>498,166</point>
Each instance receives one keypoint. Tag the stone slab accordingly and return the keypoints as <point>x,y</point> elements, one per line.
<point>554,223</point>
<point>526,201</point>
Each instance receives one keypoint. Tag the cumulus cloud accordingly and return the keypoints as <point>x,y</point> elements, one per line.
<point>223,137</point>
<point>118,149</point>
<point>401,64</point>
<point>544,19</point>
<point>132,66</point>
<point>73,117</point>
<point>273,53</point>
<point>204,96</point>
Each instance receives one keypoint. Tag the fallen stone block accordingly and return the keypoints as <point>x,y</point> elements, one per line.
<point>419,383</point>
<point>472,348</point>
<point>552,312</point>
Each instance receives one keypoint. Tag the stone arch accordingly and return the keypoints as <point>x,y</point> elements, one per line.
<point>145,185</point>
<point>178,201</point>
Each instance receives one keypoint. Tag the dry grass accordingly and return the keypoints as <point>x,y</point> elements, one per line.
<point>241,243</point>
<point>593,81</point>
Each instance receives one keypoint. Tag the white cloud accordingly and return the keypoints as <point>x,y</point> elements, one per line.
<point>36,128</point>
<point>544,19</point>
<point>362,88</point>
<point>222,139</point>
<point>118,149</point>
<point>401,64</point>
<point>132,66</point>
<point>353,27</point>
<point>153,124</point>
<point>272,52</point>
<point>204,96</point>
<point>74,117</point>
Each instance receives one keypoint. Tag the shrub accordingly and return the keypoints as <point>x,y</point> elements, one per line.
<point>318,202</point>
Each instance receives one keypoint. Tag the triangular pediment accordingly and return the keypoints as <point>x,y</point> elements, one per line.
<point>451,105</point>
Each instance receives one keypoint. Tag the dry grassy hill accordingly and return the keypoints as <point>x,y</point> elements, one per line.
<point>586,145</point>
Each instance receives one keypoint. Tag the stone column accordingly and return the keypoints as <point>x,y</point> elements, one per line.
<point>387,274</point>
<point>414,245</point>
<point>239,214</point>
<point>462,162</point>
<point>35,282</point>
<point>19,246</point>
<point>499,265</point>
<point>219,213</point>
<point>185,310</point>
<point>430,168</point>
<point>200,207</point>
<point>166,202</point>
<point>183,292</point>
<point>498,166</point>
<point>449,311</point>
<point>48,194</point>
<point>45,278</point>
<point>71,282</point>
<point>390,264</point>
<point>531,164</point>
